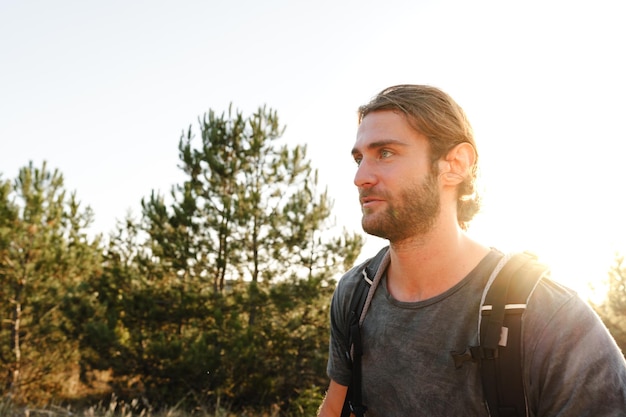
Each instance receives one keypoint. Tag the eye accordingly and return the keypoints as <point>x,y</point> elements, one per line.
<point>385,153</point>
<point>358,160</point>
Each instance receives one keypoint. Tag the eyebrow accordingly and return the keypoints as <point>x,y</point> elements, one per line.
<point>380,144</point>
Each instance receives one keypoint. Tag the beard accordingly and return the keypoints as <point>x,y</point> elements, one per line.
<point>413,214</point>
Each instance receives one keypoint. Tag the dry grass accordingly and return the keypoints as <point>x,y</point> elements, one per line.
<point>116,408</point>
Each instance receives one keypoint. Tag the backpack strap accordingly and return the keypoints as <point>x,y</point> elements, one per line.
<point>359,303</point>
<point>500,327</point>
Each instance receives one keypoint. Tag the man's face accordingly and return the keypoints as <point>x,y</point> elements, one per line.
<point>399,196</point>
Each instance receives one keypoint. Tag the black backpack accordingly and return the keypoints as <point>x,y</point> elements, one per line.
<point>499,353</point>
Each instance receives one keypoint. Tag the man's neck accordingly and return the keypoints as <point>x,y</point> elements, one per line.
<point>426,266</point>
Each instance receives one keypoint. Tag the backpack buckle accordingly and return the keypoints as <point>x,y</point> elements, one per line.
<point>461,358</point>
<point>357,410</point>
<point>483,353</point>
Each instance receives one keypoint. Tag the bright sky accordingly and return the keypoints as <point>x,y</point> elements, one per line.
<point>103,90</point>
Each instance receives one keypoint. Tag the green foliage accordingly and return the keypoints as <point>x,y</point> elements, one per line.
<point>215,298</point>
<point>307,404</point>
<point>44,251</point>
<point>613,309</point>
<point>219,294</point>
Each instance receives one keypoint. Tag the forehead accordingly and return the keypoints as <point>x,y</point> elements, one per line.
<point>385,126</point>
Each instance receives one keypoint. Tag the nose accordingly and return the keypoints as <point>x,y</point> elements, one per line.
<point>365,175</point>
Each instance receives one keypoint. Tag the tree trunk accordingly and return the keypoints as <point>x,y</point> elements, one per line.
<point>14,370</point>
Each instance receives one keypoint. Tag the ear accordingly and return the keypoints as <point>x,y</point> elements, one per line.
<point>457,164</point>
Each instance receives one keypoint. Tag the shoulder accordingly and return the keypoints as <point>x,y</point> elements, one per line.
<point>559,324</point>
<point>570,356</point>
<point>364,271</point>
<point>551,295</point>
<point>555,310</point>
<point>348,283</point>
<point>551,299</point>
<point>353,284</point>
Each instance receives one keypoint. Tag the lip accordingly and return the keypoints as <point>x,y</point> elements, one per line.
<point>369,201</point>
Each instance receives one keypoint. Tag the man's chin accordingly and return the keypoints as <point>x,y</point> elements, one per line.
<point>373,229</point>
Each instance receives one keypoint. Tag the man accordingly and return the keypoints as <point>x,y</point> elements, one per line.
<point>417,165</point>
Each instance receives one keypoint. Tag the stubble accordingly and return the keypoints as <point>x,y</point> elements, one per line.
<point>412,214</point>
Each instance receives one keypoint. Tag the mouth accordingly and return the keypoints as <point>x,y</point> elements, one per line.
<point>369,201</point>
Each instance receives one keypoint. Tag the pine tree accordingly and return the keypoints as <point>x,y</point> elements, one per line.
<point>612,309</point>
<point>234,273</point>
<point>44,251</point>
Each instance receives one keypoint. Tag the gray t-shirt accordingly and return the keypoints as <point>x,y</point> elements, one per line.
<point>572,366</point>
